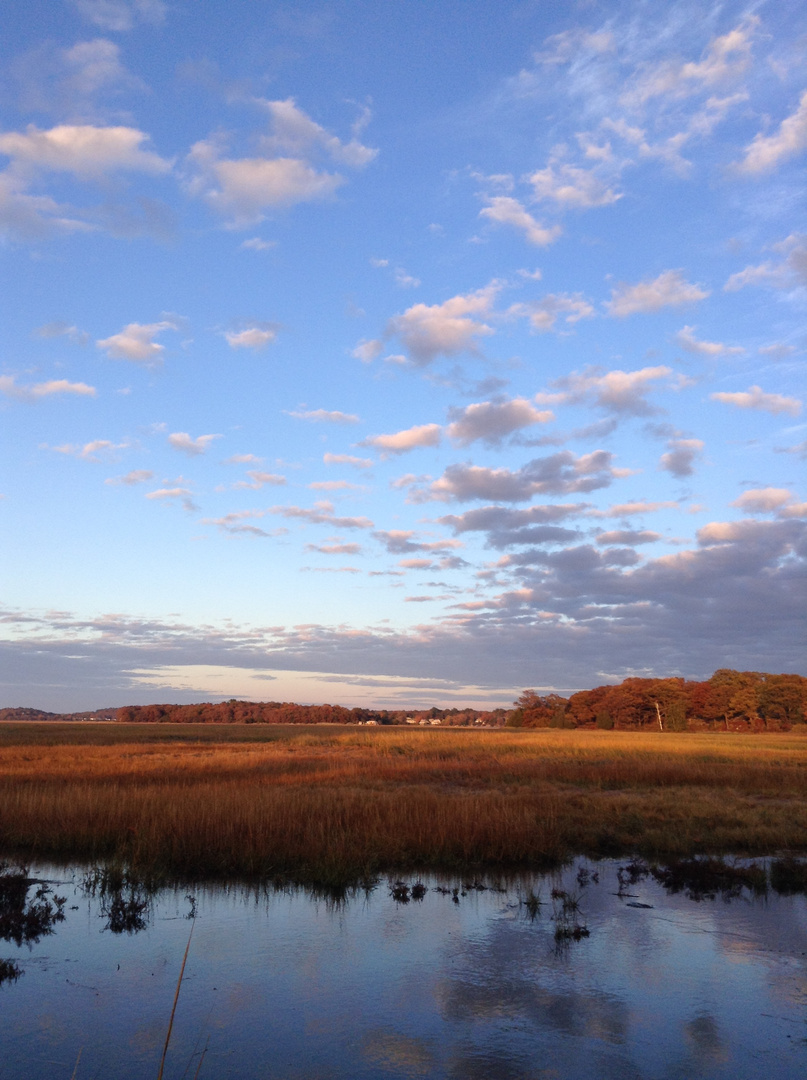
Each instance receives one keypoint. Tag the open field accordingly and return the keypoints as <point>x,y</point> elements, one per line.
<point>333,803</point>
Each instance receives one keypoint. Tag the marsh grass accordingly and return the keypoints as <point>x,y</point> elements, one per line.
<point>330,804</point>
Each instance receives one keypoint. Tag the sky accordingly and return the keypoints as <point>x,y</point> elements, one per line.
<point>399,354</point>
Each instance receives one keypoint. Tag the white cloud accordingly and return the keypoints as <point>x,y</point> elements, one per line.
<point>252,337</point>
<point>335,549</point>
<point>669,289</point>
<point>258,479</point>
<point>121,15</point>
<point>402,441</point>
<point>543,314</point>
<point>763,500</point>
<point>505,210</point>
<point>628,537</point>
<point>614,391</point>
<point>322,513</point>
<point>681,456</point>
<point>91,451</point>
<point>63,329</point>
<point>445,329</point>
<point>571,186</point>
<point>169,493</point>
<point>558,474</point>
<point>10,387</point>
<point>726,58</point>
<point>640,506</point>
<point>756,398</point>
<point>84,150</point>
<point>296,133</point>
<point>766,152</point>
<point>491,421</point>
<point>334,485</point>
<point>687,340</point>
<point>778,350</point>
<point>288,173</point>
<point>181,440</point>
<point>348,459</point>
<point>243,188</point>
<point>256,244</point>
<point>136,476</point>
<point>789,272</point>
<point>367,351</point>
<point>326,416</point>
<point>404,279</point>
<point>569,45</point>
<point>243,459</point>
<point>136,342</point>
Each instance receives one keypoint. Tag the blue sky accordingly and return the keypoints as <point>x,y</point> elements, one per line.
<point>399,353</point>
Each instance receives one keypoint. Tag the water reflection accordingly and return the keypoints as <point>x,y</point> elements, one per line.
<point>695,969</point>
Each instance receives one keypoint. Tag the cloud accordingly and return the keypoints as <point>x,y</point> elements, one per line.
<point>136,476</point>
<point>294,132</point>
<point>169,493</point>
<point>63,329</point>
<point>689,343</point>
<point>681,456</point>
<point>505,210</point>
<point>335,549</point>
<point>491,421</point>
<point>400,542</point>
<point>667,290</point>
<point>243,188</point>
<point>785,274</point>
<point>322,514</point>
<point>543,314</point>
<point>727,58</point>
<point>367,351</point>
<point>52,388</point>
<point>121,15</point>
<point>763,500</point>
<point>348,459</point>
<point>243,459</point>
<point>405,280</point>
<point>288,173</point>
<point>181,440</point>
<point>334,485</point>
<point>86,151</point>
<point>568,46</point>
<point>235,523</point>
<point>136,342</point>
<point>506,527</point>
<point>617,392</point>
<point>558,474</point>
<point>445,329</point>
<point>257,336</point>
<point>324,416</point>
<point>756,398</point>
<point>258,479</point>
<point>628,537</point>
<point>777,351</point>
<point>766,152</point>
<point>572,187</point>
<point>402,441</point>
<point>640,506</point>
<point>91,451</point>
<point>256,244</point>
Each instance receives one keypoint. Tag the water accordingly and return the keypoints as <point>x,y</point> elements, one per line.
<point>286,985</point>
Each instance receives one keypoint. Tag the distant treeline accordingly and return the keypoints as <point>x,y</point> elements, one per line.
<point>728,701</point>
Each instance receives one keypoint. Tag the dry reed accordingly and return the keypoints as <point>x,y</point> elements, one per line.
<point>327,804</point>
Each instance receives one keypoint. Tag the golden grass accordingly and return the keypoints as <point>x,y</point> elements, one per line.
<point>329,803</point>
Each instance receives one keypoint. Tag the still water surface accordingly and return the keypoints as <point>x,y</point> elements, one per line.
<point>287,985</point>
